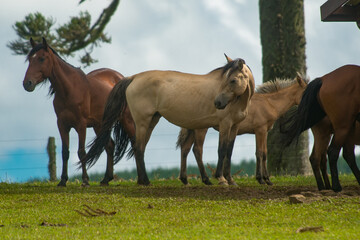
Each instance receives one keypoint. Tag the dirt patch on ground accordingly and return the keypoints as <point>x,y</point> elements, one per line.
<point>240,192</point>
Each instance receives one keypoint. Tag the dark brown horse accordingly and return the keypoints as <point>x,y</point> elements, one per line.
<point>336,95</point>
<point>79,101</point>
<point>219,98</point>
<point>322,132</point>
<point>270,101</point>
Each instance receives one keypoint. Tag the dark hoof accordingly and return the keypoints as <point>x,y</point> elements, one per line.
<point>62,184</point>
<point>337,189</point>
<point>184,181</point>
<point>268,182</point>
<point>143,183</point>
<point>260,181</point>
<point>207,182</point>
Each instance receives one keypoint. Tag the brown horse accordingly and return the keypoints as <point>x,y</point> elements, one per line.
<point>336,95</point>
<point>270,101</point>
<point>322,132</point>
<point>79,101</point>
<point>219,98</point>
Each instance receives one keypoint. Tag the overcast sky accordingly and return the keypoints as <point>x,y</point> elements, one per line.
<point>188,36</point>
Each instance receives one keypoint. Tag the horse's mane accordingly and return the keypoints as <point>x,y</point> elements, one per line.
<point>40,46</point>
<point>232,66</point>
<point>276,85</point>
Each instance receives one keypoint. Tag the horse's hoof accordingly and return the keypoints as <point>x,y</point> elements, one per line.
<point>260,181</point>
<point>224,183</point>
<point>184,181</point>
<point>207,182</point>
<point>104,183</point>
<point>232,183</point>
<point>61,184</point>
<point>268,182</point>
<point>337,189</point>
<point>143,183</point>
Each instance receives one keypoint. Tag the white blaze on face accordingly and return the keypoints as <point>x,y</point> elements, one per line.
<point>34,55</point>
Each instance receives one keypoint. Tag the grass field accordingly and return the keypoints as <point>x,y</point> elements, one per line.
<point>169,210</point>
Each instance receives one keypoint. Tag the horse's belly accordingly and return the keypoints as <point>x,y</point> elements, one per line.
<point>189,121</point>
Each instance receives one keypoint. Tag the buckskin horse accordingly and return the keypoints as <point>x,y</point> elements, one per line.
<point>79,101</point>
<point>270,101</point>
<point>219,98</point>
<point>335,95</point>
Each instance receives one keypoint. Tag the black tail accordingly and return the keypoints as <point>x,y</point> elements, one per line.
<point>115,106</point>
<point>309,112</point>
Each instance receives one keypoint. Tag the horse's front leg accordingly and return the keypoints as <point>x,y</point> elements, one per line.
<point>81,154</point>
<point>226,143</point>
<point>227,162</point>
<point>64,134</point>
<point>219,174</point>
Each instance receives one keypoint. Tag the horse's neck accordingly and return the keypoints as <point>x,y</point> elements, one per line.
<point>64,77</point>
<point>282,100</point>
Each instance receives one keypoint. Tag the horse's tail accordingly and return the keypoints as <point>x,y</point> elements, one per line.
<point>114,108</point>
<point>184,135</point>
<point>308,113</point>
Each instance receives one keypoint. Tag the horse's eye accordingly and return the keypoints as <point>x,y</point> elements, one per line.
<point>233,81</point>
<point>41,59</point>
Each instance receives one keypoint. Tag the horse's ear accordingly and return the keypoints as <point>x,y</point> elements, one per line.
<point>299,79</point>
<point>227,58</point>
<point>45,44</point>
<point>32,42</point>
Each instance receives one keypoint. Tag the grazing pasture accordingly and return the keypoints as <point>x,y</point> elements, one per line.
<point>168,210</point>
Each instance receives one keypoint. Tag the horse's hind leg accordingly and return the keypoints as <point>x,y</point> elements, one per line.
<point>198,152</point>
<point>186,145</point>
<point>81,153</point>
<point>143,133</point>
<point>315,164</point>
<point>64,134</point>
<point>349,156</point>
<point>109,173</point>
<point>323,168</point>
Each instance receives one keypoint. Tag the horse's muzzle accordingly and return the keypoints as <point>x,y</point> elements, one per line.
<point>221,101</point>
<point>29,86</point>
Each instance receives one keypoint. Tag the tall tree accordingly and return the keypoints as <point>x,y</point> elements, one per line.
<point>77,34</point>
<point>283,54</point>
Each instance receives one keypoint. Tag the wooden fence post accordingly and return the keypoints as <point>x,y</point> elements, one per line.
<point>51,149</point>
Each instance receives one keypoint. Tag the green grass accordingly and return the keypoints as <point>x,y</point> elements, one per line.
<point>249,211</point>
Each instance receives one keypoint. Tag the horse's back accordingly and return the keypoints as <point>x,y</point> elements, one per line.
<point>340,94</point>
<point>106,75</point>
<point>101,82</point>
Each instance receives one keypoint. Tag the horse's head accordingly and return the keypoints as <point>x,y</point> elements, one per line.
<point>236,79</point>
<point>40,65</point>
<point>302,84</point>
